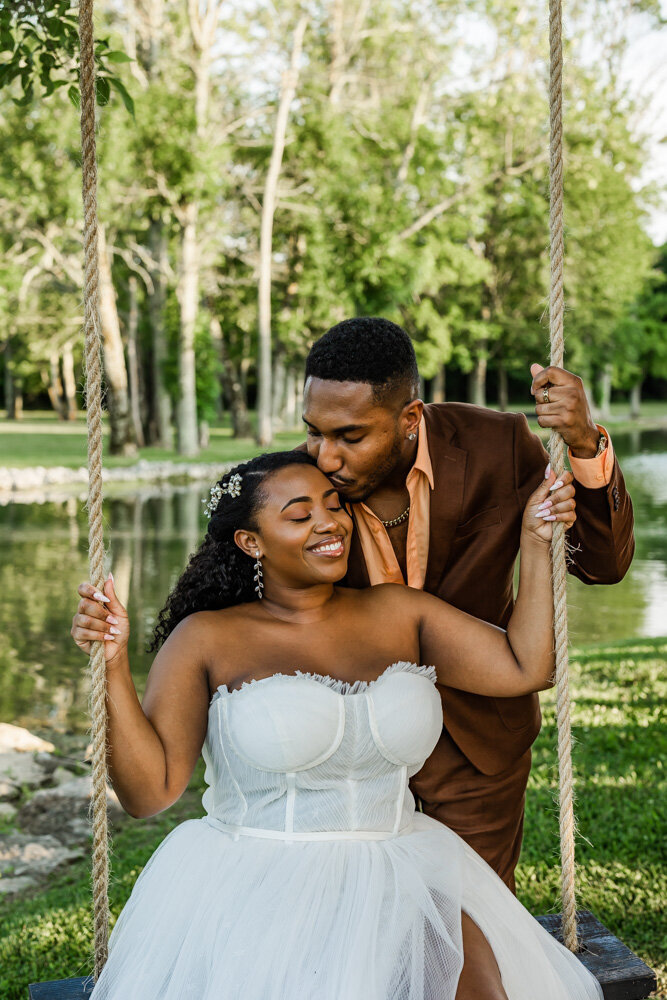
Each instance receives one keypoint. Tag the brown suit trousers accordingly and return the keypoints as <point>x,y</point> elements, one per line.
<point>485,466</point>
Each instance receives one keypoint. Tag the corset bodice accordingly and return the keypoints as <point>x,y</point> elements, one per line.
<point>305,756</point>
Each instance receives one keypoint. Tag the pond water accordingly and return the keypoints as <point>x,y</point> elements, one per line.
<point>152,531</point>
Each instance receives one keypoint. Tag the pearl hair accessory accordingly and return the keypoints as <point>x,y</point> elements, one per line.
<point>232,488</point>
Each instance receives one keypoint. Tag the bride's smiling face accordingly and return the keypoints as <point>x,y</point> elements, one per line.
<point>303,534</point>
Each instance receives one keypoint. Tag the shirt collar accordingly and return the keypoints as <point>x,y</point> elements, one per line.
<point>422,461</point>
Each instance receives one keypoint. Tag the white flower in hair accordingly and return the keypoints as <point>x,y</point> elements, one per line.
<point>232,488</point>
<point>233,485</point>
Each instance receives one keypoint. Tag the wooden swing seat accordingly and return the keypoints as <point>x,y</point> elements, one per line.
<point>620,973</point>
<point>62,989</point>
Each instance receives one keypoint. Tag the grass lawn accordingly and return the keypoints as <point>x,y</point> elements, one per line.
<point>39,438</point>
<point>619,758</point>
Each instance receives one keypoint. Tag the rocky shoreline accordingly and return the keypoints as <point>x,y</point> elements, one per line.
<point>39,483</point>
<point>44,809</point>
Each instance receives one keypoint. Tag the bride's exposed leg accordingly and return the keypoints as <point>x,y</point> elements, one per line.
<point>480,976</point>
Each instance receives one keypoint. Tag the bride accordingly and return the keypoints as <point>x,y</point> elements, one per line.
<point>311,877</point>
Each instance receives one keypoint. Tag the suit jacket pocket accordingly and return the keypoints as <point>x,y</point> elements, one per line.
<point>519,713</point>
<point>485,519</point>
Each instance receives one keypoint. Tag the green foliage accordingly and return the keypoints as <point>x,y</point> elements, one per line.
<point>640,340</point>
<point>406,189</point>
<point>39,43</point>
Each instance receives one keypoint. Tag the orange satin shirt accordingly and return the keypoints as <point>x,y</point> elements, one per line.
<point>381,561</point>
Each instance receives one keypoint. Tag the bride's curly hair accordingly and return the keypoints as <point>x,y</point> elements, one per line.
<point>219,574</point>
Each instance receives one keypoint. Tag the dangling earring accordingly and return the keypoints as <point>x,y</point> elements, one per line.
<point>411,436</point>
<point>259,583</point>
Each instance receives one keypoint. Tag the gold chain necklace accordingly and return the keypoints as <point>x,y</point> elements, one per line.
<point>395,521</point>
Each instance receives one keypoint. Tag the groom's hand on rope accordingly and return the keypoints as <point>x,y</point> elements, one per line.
<point>561,404</point>
<point>100,617</point>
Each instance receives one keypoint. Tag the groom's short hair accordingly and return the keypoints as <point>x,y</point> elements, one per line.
<point>366,349</point>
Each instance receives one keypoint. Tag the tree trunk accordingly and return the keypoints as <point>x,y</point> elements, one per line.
<point>604,392</point>
<point>231,384</point>
<point>55,387</point>
<point>290,416</point>
<point>118,399</point>
<point>203,24</point>
<point>244,372</point>
<point>477,382</point>
<point>636,399</point>
<point>160,429</point>
<point>17,401</point>
<point>298,398</point>
<point>10,388</point>
<point>69,381</point>
<point>503,391</point>
<point>186,408</point>
<point>440,385</point>
<point>133,361</point>
<point>279,383</point>
<point>337,63</point>
<point>264,402</point>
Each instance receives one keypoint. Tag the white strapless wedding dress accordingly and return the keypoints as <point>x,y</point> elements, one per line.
<point>311,877</point>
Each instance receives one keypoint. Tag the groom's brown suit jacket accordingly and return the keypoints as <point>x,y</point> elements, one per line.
<point>485,466</point>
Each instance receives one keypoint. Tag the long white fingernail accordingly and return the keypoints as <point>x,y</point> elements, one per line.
<point>547,503</point>
<point>549,517</point>
<point>547,471</point>
<point>101,597</point>
<point>109,638</point>
<point>556,486</point>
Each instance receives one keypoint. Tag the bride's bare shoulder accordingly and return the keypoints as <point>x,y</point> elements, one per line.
<point>389,596</point>
<point>203,626</point>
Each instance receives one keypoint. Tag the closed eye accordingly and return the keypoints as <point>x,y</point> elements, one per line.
<point>298,520</point>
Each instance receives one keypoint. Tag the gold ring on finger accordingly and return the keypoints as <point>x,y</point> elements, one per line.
<point>545,394</point>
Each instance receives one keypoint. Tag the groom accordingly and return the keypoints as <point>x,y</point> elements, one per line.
<point>437,492</point>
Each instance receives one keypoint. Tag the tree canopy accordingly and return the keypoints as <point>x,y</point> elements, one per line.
<point>412,182</point>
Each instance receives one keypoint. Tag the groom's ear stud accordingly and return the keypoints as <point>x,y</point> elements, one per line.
<point>411,436</point>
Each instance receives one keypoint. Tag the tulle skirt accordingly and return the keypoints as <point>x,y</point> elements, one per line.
<point>214,917</point>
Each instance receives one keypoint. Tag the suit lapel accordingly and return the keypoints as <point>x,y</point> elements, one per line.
<point>357,574</point>
<point>449,469</point>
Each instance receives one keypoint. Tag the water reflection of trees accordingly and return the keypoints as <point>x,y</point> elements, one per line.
<point>43,678</point>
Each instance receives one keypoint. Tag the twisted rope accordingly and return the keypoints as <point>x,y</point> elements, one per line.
<point>557,454</point>
<point>98,709</point>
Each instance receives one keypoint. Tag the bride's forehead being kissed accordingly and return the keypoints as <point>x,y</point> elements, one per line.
<point>299,494</point>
